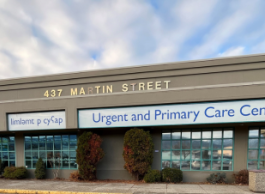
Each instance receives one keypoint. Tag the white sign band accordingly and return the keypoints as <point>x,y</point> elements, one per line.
<point>178,114</point>
<point>36,121</point>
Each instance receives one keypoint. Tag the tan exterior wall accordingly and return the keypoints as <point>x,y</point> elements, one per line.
<point>197,81</point>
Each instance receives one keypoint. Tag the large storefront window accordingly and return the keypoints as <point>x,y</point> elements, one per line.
<point>55,150</point>
<point>198,149</point>
<point>256,148</point>
<point>7,151</point>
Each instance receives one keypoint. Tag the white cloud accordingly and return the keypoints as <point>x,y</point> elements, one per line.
<point>63,36</point>
<point>235,51</point>
<point>231,25</point>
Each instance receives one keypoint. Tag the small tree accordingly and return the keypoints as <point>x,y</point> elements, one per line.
<point>40,171</point>
<point>55,163</point>
<point>88,154</point>
<point>138,152</point>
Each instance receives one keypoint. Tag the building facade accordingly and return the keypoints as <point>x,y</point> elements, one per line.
<point>204,116</point>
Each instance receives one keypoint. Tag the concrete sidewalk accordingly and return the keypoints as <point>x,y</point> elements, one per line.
<point>120,187</point>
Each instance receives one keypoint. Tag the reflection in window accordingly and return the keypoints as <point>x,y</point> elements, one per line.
<point>7,151</point>
<point>175,144</point>
<point>199,149</point>
<point>55,150</point>
<point>256,148</point>
<point>176,134</point>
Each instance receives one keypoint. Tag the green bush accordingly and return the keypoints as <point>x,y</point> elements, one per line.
<point>217,178</point>
<point>40,171</point>
<point>15,172</point>
<point>138,151</point>
<point>152,176</point>
<point>172,175</point>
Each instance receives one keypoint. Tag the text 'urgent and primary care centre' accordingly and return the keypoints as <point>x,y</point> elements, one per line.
<point>204,116</point>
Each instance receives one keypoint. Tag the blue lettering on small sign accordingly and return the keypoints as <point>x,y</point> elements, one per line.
<point>30,121</point>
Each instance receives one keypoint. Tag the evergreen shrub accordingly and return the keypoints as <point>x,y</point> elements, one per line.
<point>40,171</point>
<point>172,175</point>
<point>217,178</point>
<point>88,154</point>
<point>152,176</point>
<point>2,167</point>
<point>138,152</point>
<point>15,172</point>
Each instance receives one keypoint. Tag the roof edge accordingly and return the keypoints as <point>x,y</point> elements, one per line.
<point>177,64</point>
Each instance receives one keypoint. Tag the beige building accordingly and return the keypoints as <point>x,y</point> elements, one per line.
<point>204,116</point>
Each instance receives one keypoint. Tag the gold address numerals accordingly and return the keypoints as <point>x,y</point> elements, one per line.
<point>53,93</point>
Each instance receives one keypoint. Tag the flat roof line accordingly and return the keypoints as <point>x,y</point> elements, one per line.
<point>136,66</point>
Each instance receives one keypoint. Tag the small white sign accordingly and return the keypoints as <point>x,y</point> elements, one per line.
<point>36,121</point>
<point>176,114</point>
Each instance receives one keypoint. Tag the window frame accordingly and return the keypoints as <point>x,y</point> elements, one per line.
<point>53,150</point>
<point>259,146</point>
<point>191,160</point>
<point>8,151</point>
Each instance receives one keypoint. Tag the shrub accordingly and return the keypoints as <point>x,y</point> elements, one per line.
<point>40,171</point>
<point>217,178</point>
<point>75,176</point>
<point>138,152</point>
<point>241,177</point>
<point>172,175</point>
<point>2,167</point>
<point>15,172</point>
<point>152,176</point>
<point>88,154</point>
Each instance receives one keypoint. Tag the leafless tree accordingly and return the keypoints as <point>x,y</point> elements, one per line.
<point>55,163</point>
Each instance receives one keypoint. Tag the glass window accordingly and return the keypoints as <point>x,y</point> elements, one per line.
<point>55,150</point>
<point>176,164</point>
<point>196,135</point>
<point>176,155</point>
<point>206,144</point>
<point>166,135</point>
<point>166,144</point>
<point>196,144</point>
<point>253,133</point>
<point>206,134</point>
<point>7,151</point>
<point>256,148</point>
<point>228,143</point>
<point>186,135</point>
<point>175,144</point>
<point>217,134</point>
<point>228,133</point>
<point>205,149</point>
<point>262,132</point>
<point>176,134</point>
<point>217,143</point>
<point>65,138</point>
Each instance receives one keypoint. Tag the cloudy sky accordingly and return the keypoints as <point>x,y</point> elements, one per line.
<point>54,36</point>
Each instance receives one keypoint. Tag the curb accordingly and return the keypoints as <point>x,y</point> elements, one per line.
<point>50,192</point>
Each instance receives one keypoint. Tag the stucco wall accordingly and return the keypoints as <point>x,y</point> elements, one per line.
<point>196,81</point>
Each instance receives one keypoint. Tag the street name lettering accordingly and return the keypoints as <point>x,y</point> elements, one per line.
<point>102,89</point>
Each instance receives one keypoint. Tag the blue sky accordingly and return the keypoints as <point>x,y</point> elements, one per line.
<point>43,37</point>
